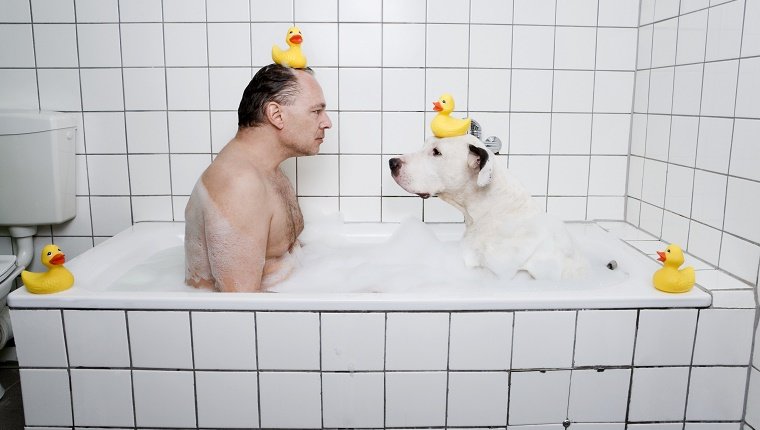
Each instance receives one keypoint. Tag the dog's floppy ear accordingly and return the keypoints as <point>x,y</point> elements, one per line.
<point>483,162</point>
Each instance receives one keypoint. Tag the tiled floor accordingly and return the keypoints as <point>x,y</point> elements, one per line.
<point>11,408</point>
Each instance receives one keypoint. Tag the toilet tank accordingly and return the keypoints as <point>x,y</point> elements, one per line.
<point>37,167</point>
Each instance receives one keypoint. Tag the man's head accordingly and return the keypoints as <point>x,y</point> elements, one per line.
<point>290,100</point>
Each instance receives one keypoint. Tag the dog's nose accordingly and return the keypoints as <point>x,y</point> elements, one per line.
<point>395,164</point>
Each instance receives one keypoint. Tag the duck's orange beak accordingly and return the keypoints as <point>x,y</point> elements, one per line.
<point>662,256</point>
<point>437,106</point>
<point>57,259</point>
<point>296,38</point>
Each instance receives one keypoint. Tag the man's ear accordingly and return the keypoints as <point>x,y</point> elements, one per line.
<point>274,114</point>
<point>481,160</point>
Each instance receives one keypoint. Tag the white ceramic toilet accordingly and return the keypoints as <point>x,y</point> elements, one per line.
<point>37,187</point>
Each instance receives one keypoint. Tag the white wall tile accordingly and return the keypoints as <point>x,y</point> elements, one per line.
<point>531,90</point>
<point>447,45</point>
<point>605,338</point>
<point>17,11</point>
<point>140,10</point>
<point>661,90</point>
<point>751,31</point>
<point>359,45</point>
<point>104,132</point>
<point>577,12</point>
<point>321,10</point>
<point>39,338</point>
<point>745,154</point>
<point>290,399</point>
<point>417,341</point>
<point>108,174</point>
<point>692,33</point>
<point>220,10</point>
<point>160,339</point>
<point>263,10</point>
<point>152,208</point>
<point>709,198</point>
<point>312,179</point>
<point>679,189</point>
<point>59,89</point>
<point>716,393</point>
<point>714,144</point>
<point>353,341</point>
<point>99,45</point>
<point>97,11</point>
<point>543,339</point>
<point>164,399</point>
<point>480,341</point>
<point>440,81</point>
<point>477,398</point>
<point>571,134</point>
<point>658,130</point>
<point>724,31</point>
<point>46,396</point>
<point>398,209</point>
<point>489,90</point>
<point>687,89</point>
<point>360,89</point>
<point>533,47</point>
<point>573,91</point>
<point>739,257</point>
<point>403,90</point>
<point>189,132</point>
<point>110,215</point>
<point>574,48</point>
<point>322,42</point>
<point>402,132</point>
<point>142,45</point>
<point>568,175</point>
<point>55,46</point>
<point>449,11</point>
<point>534,12</point>
<point>226,85</point>
<point>404,10</point>
<point>747,104</point>
<point>187,88</point>
<point>724,337</point>
<point>102,89</point>
<point>664,43</point>
<point>719,88</point>
<point>411,37</point>
<point>538,397</point>
<point>655,346</point>
<point>53,11</point>
<point>144,89</point>
<point>658,394</point>
<point>613,92</point>
<point>605,207</point>
<point>616,48</point>
<point>704,241</point>
<point>186,169</point>
<point>229,44</point>
<point>288,340</point>
<point>644,52</point>
<point>683,140</point>
<point>599,396</point>
<point>742,213</point>
<point>185,44</point>
<point>415,399</point>
<point>102,397</point>
<point>224,340</point>
<point>97,338</point>
<point>436,210</point>
<point>752,416</point>
<point>353,400</point>
<point>529,133</point>
<point>483,38</point>
<point>227,399</point>
<point>610,134</point>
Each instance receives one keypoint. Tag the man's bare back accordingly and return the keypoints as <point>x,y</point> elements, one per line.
<point>242,221</point>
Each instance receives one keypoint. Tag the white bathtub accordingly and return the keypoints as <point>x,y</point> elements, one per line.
<point>106,278</point>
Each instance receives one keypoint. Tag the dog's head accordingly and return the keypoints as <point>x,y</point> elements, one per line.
<point>444,165</point>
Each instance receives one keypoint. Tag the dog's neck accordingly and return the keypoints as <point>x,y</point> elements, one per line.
<point>476,203</point>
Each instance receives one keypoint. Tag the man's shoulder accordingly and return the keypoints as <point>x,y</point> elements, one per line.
<point>226,180</point>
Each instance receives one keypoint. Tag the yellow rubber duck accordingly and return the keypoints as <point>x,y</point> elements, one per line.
<point>56,279</point>
<point>445,126</point>
<point>291,57</point>
<point>669,278</point>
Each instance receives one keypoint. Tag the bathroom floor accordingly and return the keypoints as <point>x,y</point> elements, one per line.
<point>11,409</point>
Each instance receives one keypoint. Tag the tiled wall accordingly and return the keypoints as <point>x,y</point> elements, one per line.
<point>693,176</point>
<point>156,369</point>
<point>157,84</point>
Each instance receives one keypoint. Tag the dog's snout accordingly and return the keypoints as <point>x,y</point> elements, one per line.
<point>395,164</point>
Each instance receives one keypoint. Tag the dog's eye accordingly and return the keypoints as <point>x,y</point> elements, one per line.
<point>436,152</point>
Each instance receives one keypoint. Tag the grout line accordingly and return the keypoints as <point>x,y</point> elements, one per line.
<point>124,116</point>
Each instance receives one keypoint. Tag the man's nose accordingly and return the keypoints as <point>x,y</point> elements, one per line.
<point>395,164</point>
<point>327,123</point>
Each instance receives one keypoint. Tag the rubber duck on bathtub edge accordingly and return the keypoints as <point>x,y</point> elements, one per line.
<point>670,279</point>
<point>56,279</point>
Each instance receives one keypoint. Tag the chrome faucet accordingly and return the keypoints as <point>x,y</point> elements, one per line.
<point>492,142</point>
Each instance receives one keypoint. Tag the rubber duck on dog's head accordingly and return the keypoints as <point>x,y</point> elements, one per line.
<point>444,125</point>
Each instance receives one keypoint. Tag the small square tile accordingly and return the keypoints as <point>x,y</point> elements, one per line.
<point>491,11</point>
<point>160,339</point>
<point>543,339</point>
<point>531,90</point>
<point>149,174</point>
<point>97,11</point>
<point>739,256</point>
<point>573,91</point>
<point>724,337</point>
<point>752,416</point>
<point>17,11</point>
<point>447,45</point>
<point>417,341</point>
<point>575,48</point>
<point>102,397</point>
<point>142,45</point>
<point>288,340</point>
<point>224,340</point>
<point>657,347</point>
<point>353,341</point>
<point>716,393</point>
<point>227,399</point>
<point>184,10</point>
<point>482,39</point>
<point>46,396</point>
<point>226,10</point>
<point>534,12</point>
<point>55,45</point>
<point>104,132</point>
<point>480,341</point>
<point>97,338</point>
<point>599,396</point>
<point>605,338</point>
<point>59,89</point>
<point>403,90</point>
<point>687,89</point>
<point>719,88</point>
<point>616,48</point>
<point>102,89</point>
<point>724,31</point>
<point>110,215</point>
<point>360,175</point>
<point>360,132</point>
<point>533,47</point>
<point>152,208</point>
<point>664,43</point>
<point>185,44</point>
<point>140,10</point>
<point>489,90</point>
<point>412,37</point>
<point>144,89</point>
<point>359,45</point>
<point>568,175</point>
<point>190,132</point>
<point>321,10</point>
<point>613,92</point>
<point>229,44</point>
<point>99,45</point>
<point>538,397</point>
<point>109,175</point>
<point>39,338</point>
<point>20,87</point>
<point>290,399</point>
<point>164,399</point>
<point>658,394</point>
<point>477,398</point>
<point>353,400</point>
<point>571,133</point>
<point>187,88</point>
<point>415,399</point>
<point>226,84</point>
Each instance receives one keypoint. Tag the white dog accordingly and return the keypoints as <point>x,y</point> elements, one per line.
<point>506,231</point>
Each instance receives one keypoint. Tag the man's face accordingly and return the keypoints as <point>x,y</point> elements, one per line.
<point>306,119</point>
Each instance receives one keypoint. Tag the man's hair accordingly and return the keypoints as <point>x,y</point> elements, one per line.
<point>273,83</point>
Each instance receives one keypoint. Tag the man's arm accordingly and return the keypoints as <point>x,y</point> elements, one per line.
<point>237,232</point>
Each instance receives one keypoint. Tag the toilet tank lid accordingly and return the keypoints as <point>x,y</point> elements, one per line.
<point>33,121</point>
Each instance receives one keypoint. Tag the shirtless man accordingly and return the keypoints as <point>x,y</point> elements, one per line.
<point>242,220</point>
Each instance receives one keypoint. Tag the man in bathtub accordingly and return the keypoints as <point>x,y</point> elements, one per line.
<point>242,220</point>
